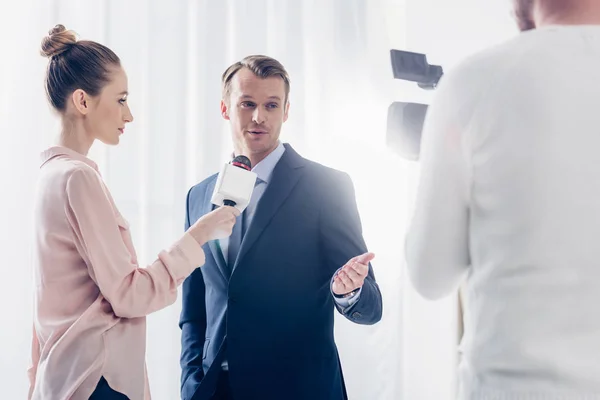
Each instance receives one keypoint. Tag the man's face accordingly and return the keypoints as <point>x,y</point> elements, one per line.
<point>256,108</point>
<point>523,11</point>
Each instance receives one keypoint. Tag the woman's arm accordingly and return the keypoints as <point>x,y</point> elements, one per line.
<point>132,291</point>
<point>35,358</point>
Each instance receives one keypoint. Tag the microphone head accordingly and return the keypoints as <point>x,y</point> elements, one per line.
<point>242,162</point>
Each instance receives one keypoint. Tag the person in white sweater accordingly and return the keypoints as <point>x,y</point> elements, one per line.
<point>509,199</point>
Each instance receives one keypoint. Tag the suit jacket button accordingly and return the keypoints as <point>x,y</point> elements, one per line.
<point>356,315</point>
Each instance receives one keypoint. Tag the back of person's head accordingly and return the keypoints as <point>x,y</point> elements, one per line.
<point>535,13</point>
<point>73,65</point>
<point>559,6</point>
<point>261,66</point>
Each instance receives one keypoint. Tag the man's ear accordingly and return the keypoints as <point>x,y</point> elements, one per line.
<point>224,110</point>
<point>286,110</point>
<point>81,101</point>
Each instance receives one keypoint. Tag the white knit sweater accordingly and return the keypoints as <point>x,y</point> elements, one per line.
<point>509,198</point>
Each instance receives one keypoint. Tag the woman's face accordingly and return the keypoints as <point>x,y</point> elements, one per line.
<point>109,111</point>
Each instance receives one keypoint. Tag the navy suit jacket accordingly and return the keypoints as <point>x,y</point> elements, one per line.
<point>273,319</point>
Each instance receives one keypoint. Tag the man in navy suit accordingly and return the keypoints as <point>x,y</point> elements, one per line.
<point>257,318</point>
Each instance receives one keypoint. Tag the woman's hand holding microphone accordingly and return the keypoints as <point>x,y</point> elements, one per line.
<point>217,224</point>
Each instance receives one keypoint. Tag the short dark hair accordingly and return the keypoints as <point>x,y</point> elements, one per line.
<point>261,66</point>
<point>74,64</point>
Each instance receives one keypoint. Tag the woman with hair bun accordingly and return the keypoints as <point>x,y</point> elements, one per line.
<point>91,296</point>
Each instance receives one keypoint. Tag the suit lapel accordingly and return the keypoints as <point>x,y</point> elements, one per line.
<point>285,176</point>
<point>214,244</point>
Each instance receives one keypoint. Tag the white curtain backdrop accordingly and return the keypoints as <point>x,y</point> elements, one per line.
<point>337,53</point>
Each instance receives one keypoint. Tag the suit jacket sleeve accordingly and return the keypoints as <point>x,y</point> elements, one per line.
<point>341,233</point>
<point>193,327</point>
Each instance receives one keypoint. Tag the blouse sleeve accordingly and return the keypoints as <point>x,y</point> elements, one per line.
<point>132,291</point>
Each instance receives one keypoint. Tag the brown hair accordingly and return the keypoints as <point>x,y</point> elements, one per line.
<point>261,66</point>
<point>74,65</point>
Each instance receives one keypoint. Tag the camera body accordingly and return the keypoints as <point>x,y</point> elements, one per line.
<point>405,120</point>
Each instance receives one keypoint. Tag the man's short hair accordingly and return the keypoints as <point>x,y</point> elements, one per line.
<point>261,66</point>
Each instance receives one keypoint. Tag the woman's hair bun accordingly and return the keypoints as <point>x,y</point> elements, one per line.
<point>59,39</point>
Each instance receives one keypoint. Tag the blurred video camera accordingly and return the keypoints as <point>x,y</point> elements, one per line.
<point>405,120</point>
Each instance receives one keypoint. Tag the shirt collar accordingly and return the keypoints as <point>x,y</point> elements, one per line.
<point>60,151</point>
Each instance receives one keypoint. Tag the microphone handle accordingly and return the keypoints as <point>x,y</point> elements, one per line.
<point>229,203</point>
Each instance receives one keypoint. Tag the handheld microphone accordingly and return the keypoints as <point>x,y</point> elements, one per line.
<point>235,184</point>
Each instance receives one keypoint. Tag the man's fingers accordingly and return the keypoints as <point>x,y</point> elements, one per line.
<point>339,287</point>
<point>365,258</point>
<point>354,276</point>
<point>360,269</point>
<point>345,279</point>
<point>353,259</point>
<point>354,281</point>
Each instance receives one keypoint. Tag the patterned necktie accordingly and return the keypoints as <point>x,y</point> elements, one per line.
<point>239,230</point>
<point>235,241</point>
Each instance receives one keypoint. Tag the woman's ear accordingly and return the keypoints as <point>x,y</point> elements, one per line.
<point>81,101</point>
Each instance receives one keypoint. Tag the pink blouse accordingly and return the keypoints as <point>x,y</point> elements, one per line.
<point>91,296</point>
